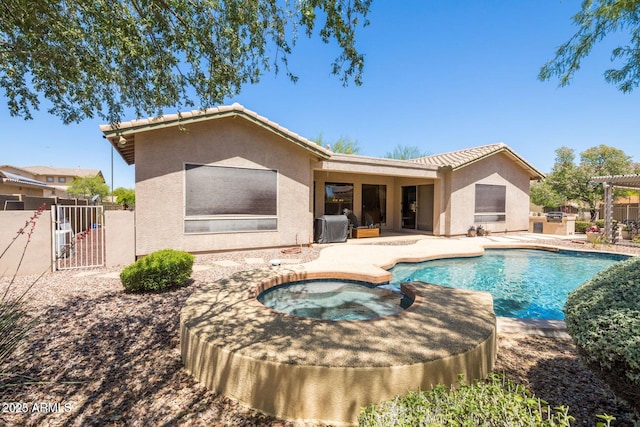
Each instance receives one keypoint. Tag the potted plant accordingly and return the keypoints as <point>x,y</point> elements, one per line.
<point>480,230</point>
<point>625,233</point>
<point>471,232</point>
<point>593,233</point>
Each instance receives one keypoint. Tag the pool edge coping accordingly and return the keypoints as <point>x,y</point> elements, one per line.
<point>546,328</point>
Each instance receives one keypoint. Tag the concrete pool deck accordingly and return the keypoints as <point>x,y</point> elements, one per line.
<point>325,371</point>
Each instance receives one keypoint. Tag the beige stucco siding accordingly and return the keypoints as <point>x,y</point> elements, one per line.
<point>495,170</point>
<point>160,185</point>
<point>37,258</point>
<point>26,191</point>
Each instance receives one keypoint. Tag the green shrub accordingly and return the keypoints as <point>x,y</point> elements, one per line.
<point>603,318</point>
<point>158,271</point>
<point>600,223</point>
<point>495,401</point>
<point>582,226</point>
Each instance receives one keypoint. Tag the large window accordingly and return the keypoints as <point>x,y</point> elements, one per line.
<point>490,203</point>
<point>337,198</point>
<point>228,199</point>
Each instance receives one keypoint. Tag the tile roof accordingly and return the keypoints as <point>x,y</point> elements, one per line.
<point>122,138</point>
<point>127,130</point>
<point>383,161</point>
<point>461,158</point>
<point>48,170</point>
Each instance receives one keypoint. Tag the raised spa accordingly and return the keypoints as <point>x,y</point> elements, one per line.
<point>330,299</point>
<point>324,371</point>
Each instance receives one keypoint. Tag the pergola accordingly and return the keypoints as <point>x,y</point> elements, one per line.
<point>610,183</point>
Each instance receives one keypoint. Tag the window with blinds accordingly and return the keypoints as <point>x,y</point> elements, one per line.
<point>221,199</point>
<point>490,204</point>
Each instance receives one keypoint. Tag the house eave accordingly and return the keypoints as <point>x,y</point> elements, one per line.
<point>350,163</point>
<point>128,130</point>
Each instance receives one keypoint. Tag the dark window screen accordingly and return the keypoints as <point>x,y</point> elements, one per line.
<point>217,190</point>
<point>490,198</point>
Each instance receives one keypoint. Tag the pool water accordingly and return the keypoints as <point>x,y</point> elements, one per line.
<point>335,299</point>
<point>525,283</point>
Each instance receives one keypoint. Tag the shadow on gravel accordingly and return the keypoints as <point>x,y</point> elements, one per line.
<point>576,387</point>
<point>559,378</point>
<point>114,359</point>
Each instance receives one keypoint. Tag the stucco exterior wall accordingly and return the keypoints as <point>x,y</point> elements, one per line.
<point>38,255</point>
<point>495,170</point>
<point>160,186</point>
<point>27,191</point>
<point>119,237</point>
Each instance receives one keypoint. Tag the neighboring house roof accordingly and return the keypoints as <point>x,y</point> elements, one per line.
<point>19,180</point>
<point>458,159</point>
<point>122,136</point>
<point>14,169</point>
<point>48,170</point>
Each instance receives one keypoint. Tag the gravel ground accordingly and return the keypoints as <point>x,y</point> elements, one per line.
<point>102,357</point>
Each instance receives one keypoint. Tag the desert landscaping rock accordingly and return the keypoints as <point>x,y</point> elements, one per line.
<point>84,365</point>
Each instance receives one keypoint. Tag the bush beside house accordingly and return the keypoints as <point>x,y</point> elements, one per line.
<point>582,226</point>
<point>158,271</point>
<point>603,318</point>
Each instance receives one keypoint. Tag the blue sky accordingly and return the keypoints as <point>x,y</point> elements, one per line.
<point>438,75</point>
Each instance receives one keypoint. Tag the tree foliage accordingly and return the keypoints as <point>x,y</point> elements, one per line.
<point>88,187</point>
<point>573,181</point>
<point>405,152</point>
<point>125,196</point>
<point>542,194</point>
<point>101,57</point>
<point>596,20</point>
<point>344,144</point>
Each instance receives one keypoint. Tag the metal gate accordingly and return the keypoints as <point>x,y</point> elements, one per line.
<point>77,237</point>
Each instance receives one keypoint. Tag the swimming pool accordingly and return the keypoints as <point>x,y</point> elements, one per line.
<point>524,283</point>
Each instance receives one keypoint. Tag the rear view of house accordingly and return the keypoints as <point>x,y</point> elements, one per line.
<point>227,178</point>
